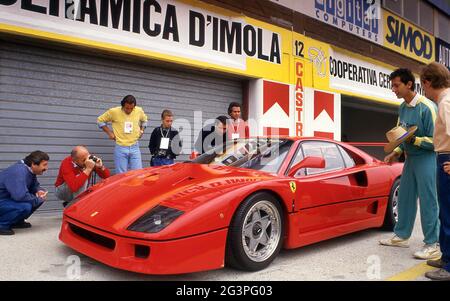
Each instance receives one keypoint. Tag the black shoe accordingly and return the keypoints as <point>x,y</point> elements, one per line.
<point>438,263</point>
<point>21,225</point>
<point>6,232</point>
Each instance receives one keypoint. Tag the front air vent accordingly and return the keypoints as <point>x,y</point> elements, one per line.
<point>141,251</point>
<point>93,237</point>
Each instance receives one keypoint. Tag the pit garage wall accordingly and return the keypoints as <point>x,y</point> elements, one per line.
<point>289,71</point>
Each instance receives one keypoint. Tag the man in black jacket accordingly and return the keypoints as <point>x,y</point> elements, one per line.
<point>165,143</point>
<point>212,136</point>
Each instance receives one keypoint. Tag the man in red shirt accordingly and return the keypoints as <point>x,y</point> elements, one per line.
<point>236,127</point>
<point>77,172</point>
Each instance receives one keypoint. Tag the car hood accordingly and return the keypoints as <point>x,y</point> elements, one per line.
<point>118,201</point>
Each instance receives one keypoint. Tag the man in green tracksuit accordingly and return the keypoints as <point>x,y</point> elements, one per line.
<point>419,172</point>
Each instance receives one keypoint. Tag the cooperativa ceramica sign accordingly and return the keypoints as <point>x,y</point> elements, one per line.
<point>361,77</point>
<point>163,26</point>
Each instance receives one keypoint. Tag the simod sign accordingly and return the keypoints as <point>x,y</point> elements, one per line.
<point>407,39</point>
<point>162,26</point>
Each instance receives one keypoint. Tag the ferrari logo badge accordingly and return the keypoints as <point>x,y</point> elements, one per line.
<point>94,214</point>
<point>293,186</point>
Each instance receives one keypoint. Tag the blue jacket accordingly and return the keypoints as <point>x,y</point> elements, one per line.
<point>423,115</point>
<point>19,184</point>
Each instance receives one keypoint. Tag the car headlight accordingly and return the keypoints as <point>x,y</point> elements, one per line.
<point>155,220</point>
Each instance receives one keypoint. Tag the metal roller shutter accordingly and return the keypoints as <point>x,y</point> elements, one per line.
<point>50,99</point>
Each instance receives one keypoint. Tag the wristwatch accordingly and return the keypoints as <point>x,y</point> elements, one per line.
<point>413,139</point>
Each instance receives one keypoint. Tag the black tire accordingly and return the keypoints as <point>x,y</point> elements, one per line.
<point>237,244</point>
<point>390,219</point>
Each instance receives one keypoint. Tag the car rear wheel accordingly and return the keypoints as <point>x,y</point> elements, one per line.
<point>255,235</point>
<point>391,217</point>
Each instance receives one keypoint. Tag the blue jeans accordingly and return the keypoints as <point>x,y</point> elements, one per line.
<point>127,158</point>
<point>443,187</point>
<point>160,161</point>
<point>12,212</point>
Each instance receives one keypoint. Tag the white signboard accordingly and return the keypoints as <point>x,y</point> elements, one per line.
<point>162,26</point>
<point>359,17</point>
<point>361,77</point>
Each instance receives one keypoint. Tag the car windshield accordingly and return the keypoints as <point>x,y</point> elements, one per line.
<point>265,154</point>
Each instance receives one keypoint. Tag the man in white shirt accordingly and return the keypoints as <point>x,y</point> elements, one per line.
<point>435,80</point>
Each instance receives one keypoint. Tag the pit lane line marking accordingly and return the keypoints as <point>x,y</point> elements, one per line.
<point>412,273</point>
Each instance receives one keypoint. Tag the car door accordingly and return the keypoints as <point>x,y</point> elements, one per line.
<point>322,195</point>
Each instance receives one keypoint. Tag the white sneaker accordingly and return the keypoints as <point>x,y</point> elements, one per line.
<point>395,242</point>
<point>428,252</point>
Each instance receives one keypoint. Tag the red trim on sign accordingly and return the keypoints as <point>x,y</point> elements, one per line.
<point>273,131</point>
<point>324,135</point>
<point>275,93</point>
<point>323,101</point>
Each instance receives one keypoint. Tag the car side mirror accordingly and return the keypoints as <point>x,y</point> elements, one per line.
<point>308,162</point>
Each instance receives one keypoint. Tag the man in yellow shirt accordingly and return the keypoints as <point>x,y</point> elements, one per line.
<point>128,125</point>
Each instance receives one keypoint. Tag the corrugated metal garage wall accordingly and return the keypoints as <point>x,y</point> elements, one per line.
<point>50,99</point>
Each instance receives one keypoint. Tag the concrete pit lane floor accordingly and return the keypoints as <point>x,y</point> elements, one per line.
<point>37,254</point>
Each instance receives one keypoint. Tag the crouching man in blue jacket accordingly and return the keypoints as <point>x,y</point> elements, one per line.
<point>20,192</point>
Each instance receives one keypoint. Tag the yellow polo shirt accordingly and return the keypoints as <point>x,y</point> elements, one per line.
<point>126,127</point>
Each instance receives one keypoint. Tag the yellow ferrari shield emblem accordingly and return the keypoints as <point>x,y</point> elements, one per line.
<point>293,186</point>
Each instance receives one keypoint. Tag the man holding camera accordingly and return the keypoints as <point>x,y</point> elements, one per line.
<point>78,172</point>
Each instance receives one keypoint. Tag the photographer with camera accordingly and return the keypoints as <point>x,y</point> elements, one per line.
<point>78,172</point>
<point>165,142</point>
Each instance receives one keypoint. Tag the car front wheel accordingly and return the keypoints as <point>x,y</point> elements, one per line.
<point>256,233</point>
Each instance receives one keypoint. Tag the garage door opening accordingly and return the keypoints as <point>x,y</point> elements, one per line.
<point>367,121</point>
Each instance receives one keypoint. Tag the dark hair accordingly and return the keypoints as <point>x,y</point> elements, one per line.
<point>166,113</point>
<point>232,105</point>
<point>128,99</point>
<point>437,74</point>
<point>405,77</point>
<point>36,158</point>
<point>222,119</point>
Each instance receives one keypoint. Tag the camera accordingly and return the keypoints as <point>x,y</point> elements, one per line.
<point>162,153</point>
<point>93,158</point>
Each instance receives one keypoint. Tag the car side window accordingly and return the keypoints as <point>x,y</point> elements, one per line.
<point>328,151</point>
<point>297,159</point>
<point>349,162</point>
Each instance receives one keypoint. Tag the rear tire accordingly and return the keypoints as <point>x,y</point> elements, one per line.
<point>256,233</point>
<point>391,217</point>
